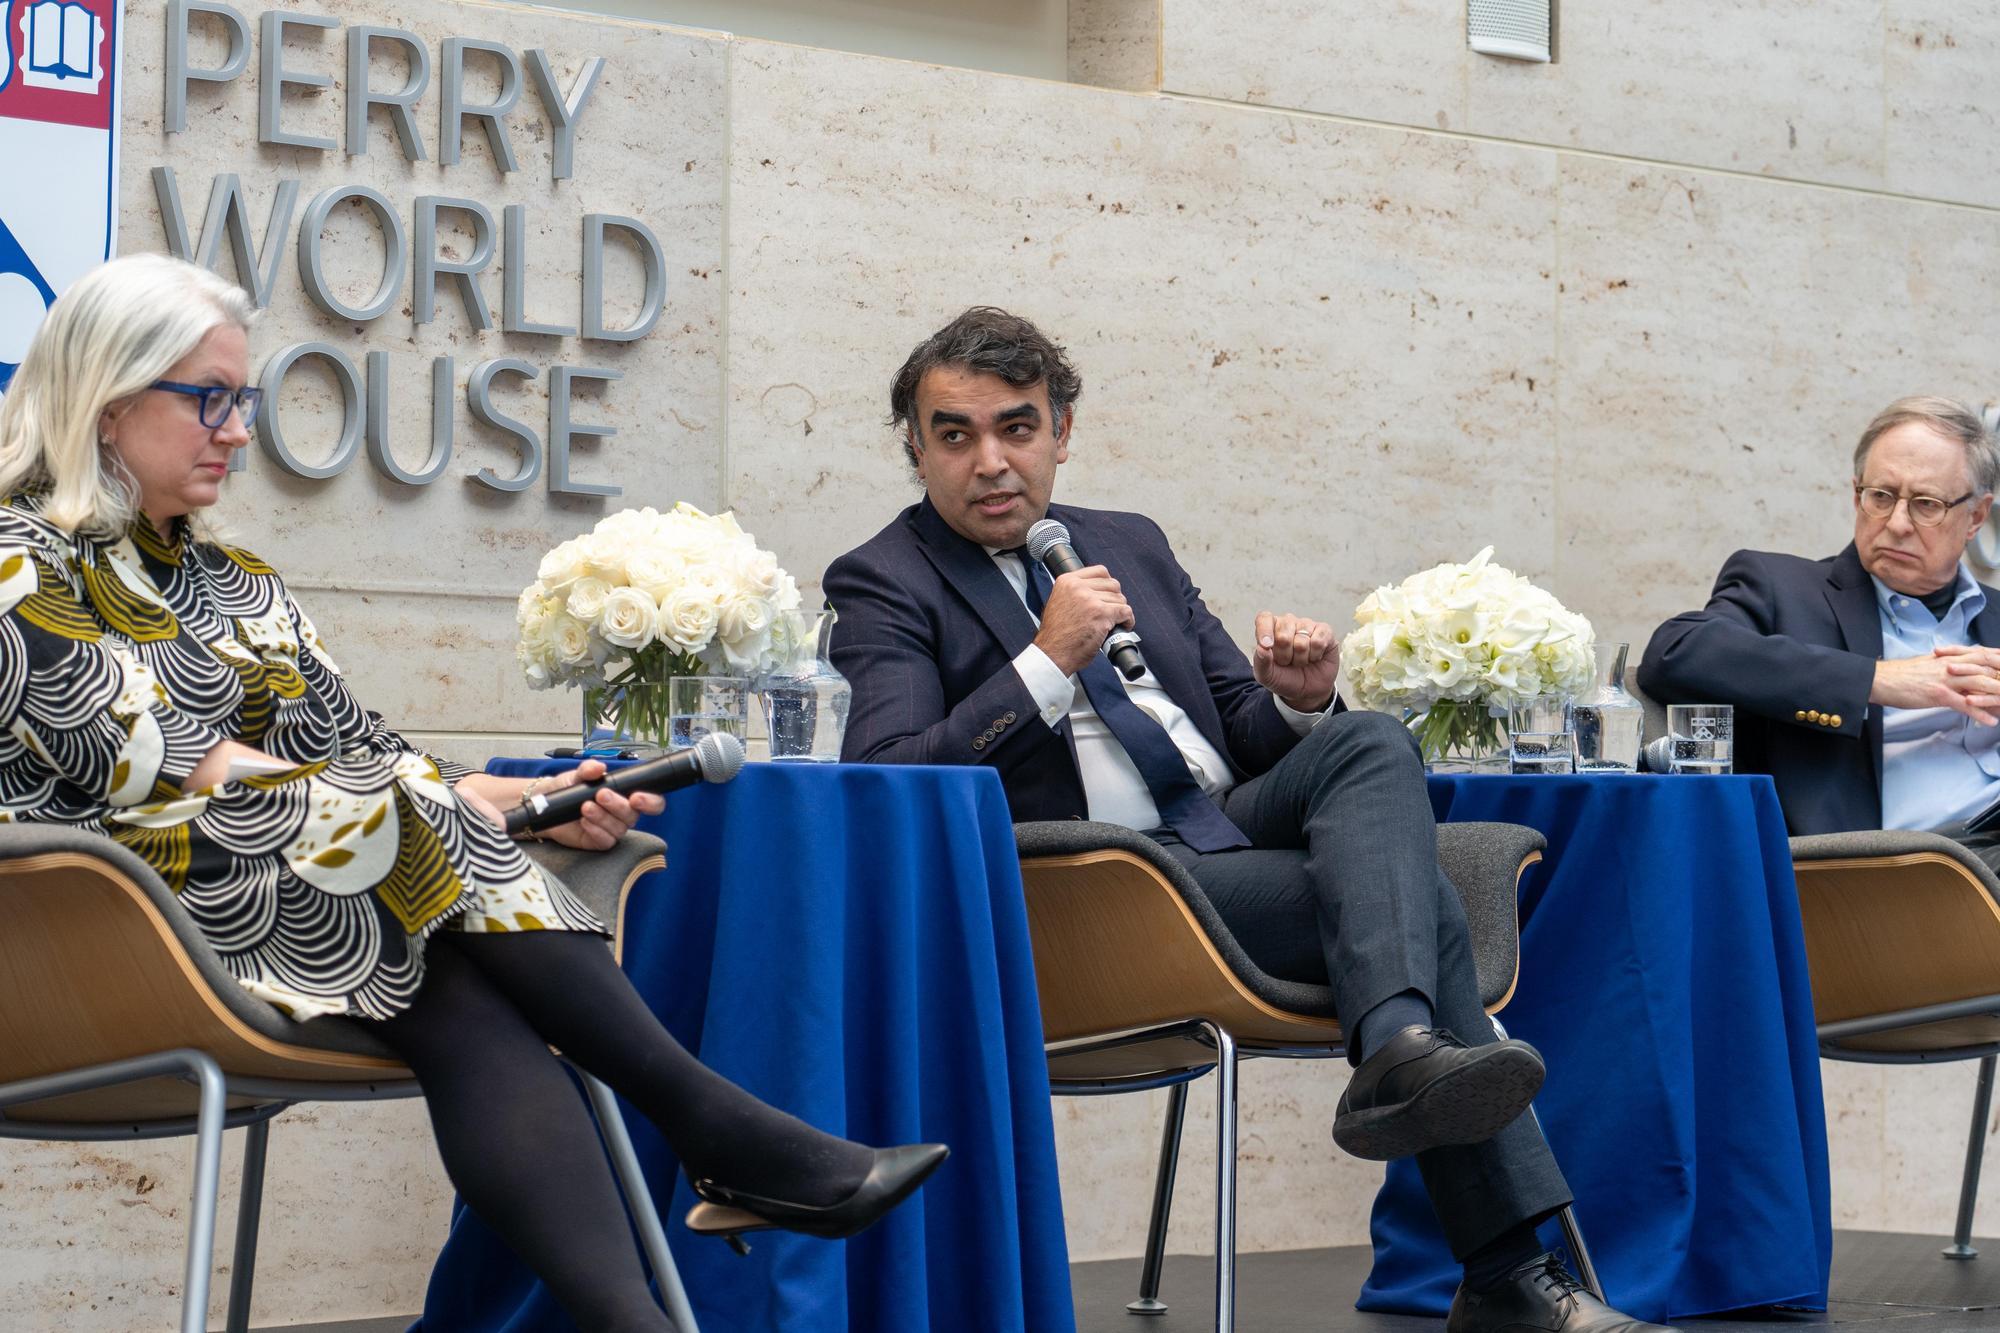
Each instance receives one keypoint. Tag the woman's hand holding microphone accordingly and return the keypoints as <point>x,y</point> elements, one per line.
<point>598,826</point>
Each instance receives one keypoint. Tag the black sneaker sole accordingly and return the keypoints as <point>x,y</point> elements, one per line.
<point>1469,1105</point>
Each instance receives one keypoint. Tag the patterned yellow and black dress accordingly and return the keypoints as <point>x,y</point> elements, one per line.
<point>123,663</point>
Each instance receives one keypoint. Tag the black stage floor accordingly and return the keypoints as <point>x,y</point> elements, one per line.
<point>1877,1276</point>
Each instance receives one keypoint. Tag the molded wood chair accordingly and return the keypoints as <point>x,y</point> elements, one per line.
<point>119,1021</point>
<point>1903,944</point>
<point>1143,986</point>
<point>1903,941</point>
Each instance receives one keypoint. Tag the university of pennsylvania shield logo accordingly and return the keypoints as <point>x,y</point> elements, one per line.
<point>59,88</point>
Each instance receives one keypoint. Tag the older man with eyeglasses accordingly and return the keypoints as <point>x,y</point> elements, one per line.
<point>1866,684</point>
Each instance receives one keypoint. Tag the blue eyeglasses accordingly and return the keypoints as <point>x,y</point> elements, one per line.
<point>217,399</point>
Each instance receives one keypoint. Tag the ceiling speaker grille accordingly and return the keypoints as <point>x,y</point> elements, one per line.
<point>1517,29</point>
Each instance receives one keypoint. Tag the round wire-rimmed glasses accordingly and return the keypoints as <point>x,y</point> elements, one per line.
<point>1926,511</point>
<point>217,399</point>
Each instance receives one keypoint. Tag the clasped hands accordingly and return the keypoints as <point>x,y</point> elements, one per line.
<point>1964,678</point>
<point>1296,659</point>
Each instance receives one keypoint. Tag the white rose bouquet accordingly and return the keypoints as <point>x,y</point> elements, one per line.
<point>1453,647</point>
<point>644,597</point>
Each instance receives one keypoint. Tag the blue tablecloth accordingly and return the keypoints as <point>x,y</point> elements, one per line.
<point>1663,976</point>
<point>849,943</point>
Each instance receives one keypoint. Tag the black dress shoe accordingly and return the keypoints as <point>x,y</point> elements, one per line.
<point>1425,1089</point>
<point>1540,1297</point>
<point>894,1176</point>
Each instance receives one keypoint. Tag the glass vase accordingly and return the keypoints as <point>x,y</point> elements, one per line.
<point>805,698</point>
<point>629,718</point>
<point>1460,736</point>
<point>646,717</point>
<point>1609,721</point>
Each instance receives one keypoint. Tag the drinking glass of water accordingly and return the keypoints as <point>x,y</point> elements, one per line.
<point>1540,738</point>
<point>1703,737</point>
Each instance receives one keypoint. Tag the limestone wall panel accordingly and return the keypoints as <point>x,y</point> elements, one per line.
<point>1402,62</point>
<point>1115,43</point>
<point>1286,328</point>
<point>1724,341</point>
<point>1784,88</point>
<point>1942,107</point>
<point>1848,92</point>
<point>94,1234</point>
<point>1294,1190</point>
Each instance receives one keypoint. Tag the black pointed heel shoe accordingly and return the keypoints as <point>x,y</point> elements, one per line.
<point>894,1177</point>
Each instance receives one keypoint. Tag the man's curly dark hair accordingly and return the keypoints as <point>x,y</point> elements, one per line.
<point>988,341</point>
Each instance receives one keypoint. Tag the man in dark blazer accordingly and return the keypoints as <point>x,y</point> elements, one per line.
<point>1308,825</point>
<point>1865,684</point>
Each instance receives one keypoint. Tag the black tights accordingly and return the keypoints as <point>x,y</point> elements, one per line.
<point>514,1135</point>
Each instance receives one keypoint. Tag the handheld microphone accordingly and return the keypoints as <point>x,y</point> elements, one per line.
<point>716,757</point>
<point>1048,542</point>
<point>1659,755</point>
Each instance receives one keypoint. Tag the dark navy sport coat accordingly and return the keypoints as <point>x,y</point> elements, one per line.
<point>928,630</point>
<point>1792,643</point>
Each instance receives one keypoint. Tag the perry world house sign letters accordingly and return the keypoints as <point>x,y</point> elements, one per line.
<point>390,72</point>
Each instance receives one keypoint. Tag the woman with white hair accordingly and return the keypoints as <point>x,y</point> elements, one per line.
<point>140,661</point>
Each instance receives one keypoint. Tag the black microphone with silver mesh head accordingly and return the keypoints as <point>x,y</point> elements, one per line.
<point>1048,543</point>
<point>716,757</point>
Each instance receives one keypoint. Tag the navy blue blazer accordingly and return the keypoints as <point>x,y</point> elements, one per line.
<point>928,630</point>
<point>1790,640</point>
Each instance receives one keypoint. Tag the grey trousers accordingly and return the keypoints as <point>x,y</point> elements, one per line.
<point>1342,887</point>
<point>1984,844</point>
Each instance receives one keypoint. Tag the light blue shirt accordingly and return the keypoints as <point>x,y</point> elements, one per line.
<point>1938,765</point>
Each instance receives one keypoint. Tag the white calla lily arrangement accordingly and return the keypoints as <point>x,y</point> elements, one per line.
<point>1452,647</point>
<point>647,596</point>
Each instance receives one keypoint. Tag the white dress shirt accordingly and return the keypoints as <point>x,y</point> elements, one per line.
<point>1112,786</point>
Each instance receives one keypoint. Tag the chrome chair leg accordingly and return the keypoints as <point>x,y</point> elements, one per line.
<point>207,1184</point>
<point>249,1213</point>
<point>1225,1178</point>
<point>639,1200</point>
<point>1572,1230</point>
<point>1579,1253</point>
<point>198,1068</point>
<point>1163,1203</point>
<point>1975,1152</point>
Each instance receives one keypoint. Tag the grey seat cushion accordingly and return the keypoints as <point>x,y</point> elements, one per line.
<point>596,877</point>
<point>593,877</point>
<point>1892,842</point>
<point>1480,859</point>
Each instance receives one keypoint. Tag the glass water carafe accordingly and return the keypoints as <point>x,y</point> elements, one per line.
<point>1608,720</point>
<point>805,698</point>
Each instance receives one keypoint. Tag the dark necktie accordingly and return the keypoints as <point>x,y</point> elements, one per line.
<point>1182,803</point>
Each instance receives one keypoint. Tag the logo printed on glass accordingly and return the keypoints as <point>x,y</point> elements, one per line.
<point>59,92</point>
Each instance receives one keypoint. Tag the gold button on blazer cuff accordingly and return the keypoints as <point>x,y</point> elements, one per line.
<point>1813,713</point>
<point>1799,716</point>
<point>1833,721</point>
